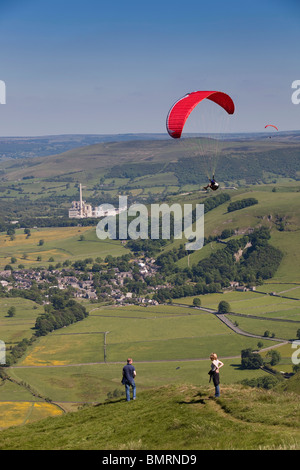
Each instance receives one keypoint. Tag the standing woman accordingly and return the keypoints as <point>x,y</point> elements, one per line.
<point>214,373</point>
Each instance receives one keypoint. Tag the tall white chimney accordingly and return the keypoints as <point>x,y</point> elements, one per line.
<point>80,192</point>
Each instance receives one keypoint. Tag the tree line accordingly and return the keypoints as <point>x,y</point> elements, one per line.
<point>258,262</point>
<point>282,162</point>
<point>236,205</point>
<point>61,311</point>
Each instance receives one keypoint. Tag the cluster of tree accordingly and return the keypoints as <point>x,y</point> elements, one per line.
<point>34,293</point>
<point>28,212</point>
<point>120,262</point>
<point>207,270</point>
<point>188,170</point>
<point>285,163</point>
<point>149,247</point>
<point>61,312</point>
<point>226,233</point>
<point>88,265</point>
<point>17,351</point>
<point>252,360</point>
<point>186,290</point>
<point>215,201</point>
<point>236,205</point>
<point>259,261</point>
<point>266,382</point>
<point>168,259</point>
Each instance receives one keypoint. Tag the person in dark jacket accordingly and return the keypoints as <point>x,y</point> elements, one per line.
<point>129,374</point>
<point>212,184</point>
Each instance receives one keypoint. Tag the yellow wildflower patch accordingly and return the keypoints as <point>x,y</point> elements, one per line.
<point>18,413</point>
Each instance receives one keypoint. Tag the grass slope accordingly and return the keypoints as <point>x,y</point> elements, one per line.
<point>272,207</point>
<point>60,244</point>
<point>179,417</point>
<point>102,156</point>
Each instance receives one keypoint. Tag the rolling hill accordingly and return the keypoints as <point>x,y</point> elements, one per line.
<point>273,156</point>
<point>174,417</point>
<point>181,415</point>
<point>145,170</point>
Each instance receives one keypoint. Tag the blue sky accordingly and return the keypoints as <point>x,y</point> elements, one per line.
<point>116,67</point>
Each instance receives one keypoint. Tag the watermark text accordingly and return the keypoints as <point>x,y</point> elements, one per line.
<point>296,354</point>
<point>296,93</point>
<point>2,92</point>
<point>2,353</point>
<point>154,222</point>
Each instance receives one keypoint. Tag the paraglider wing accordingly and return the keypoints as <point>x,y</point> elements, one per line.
<point>271,125</point>
<point>181,110</point>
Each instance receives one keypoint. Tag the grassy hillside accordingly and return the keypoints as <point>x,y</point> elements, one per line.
<point>178,417</point>
<point>170,344</point>
<point>104,156</point>
<point>59,244</point>
<point>279,211</point>
<point>291,386</point>
<point>143,169</point>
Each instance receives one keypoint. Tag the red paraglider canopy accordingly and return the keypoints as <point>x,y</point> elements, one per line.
<point>181,110</point>
<point>271,125</point>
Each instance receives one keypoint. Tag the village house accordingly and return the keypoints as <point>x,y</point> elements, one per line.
<point>81,283</point>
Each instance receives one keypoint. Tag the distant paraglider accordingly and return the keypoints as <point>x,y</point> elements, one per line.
<point>180,111</point>
<point>271,125</point>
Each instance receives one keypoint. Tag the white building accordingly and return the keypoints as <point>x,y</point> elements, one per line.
<point>80,210</point>
<point>105,211</point>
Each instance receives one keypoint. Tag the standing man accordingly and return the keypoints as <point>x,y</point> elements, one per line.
<point>128,379</point>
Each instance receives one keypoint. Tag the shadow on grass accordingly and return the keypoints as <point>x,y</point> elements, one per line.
<point>111,402</point>
<point>237,366</point>
<point>198,398</point>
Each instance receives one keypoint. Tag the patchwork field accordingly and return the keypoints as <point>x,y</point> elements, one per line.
<point>169,344</point>
<point>59,244</point>
<point>14,329</point>
<point>251,303</point>
<point>166,333</point>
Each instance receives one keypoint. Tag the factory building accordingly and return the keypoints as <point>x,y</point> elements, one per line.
<point>81,210</point>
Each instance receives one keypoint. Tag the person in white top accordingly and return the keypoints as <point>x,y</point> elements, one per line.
<point>215,369</point>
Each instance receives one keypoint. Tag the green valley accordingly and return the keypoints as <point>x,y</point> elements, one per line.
<point>139,301</point>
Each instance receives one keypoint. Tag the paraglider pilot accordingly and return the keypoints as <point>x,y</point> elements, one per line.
<point>212,184</point>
